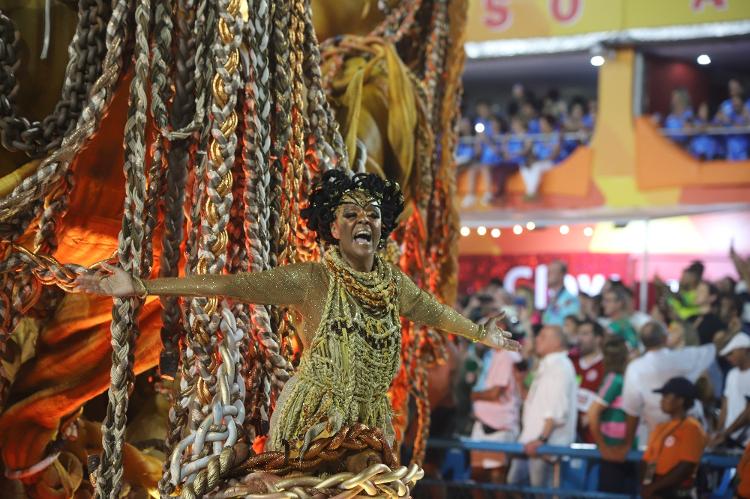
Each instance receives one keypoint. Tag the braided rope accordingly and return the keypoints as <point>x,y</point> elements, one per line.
<point>323,125</point>
<point>124,326</point>
<point>255,218</point>
<point>378,480</point>
<point>398,22</point>
<point>86,53</point>
<point>19,208</point>
<point>189,95</point>
<point>23,204</point>
<point>279,222</point>
<point>22,274</point>
<point>328,453</point>
<point>302,246</point>
<point>160,60</point>
<point>282,125</point>
<point>184,414</point>
<point>176,178</point>
<point>331,451</point>
<point>260,179</point>
<point>220,390</point>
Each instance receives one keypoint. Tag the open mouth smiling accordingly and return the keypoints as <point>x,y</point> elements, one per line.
<point>362,236</point>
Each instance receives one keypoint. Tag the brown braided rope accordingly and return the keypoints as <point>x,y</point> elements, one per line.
<point>377,480</point>
<point>329,451</point>
<point>383,479</point>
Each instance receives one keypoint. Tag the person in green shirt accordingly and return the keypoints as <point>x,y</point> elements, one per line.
<point>615,306</point>
<point>607,419</point>
<point>683,303</point>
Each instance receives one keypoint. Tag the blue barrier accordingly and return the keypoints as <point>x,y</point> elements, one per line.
<point>570,486</point>
<point>585,451</point>
<point>469,484</point>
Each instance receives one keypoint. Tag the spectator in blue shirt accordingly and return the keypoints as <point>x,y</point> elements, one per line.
<point>574,123</point>
<point>516,145</point>
<point>680,116</point>
<point>736,116</point>
<point>727,107</point>
<point>704,146</point>
<point>561,302</point>
<point>490,156</point>
<point>483,117</point>
<point>530,115</point>
<point>546,147</point>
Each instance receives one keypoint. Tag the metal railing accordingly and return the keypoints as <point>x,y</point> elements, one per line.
<point>588,452</point>
<point>710,130</point>
<point>583,136</point>
<point>586,135</point>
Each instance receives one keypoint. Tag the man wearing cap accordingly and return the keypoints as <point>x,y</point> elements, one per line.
<point>734,430</point>
<point>651,371</point>
<point>674,447</point>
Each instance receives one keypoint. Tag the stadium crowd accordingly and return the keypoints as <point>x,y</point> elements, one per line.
<point>719,135</point>
<point>675,382</point>
<point>530,135</point>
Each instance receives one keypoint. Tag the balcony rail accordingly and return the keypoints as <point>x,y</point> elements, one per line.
<point>711,130</point>
<point>725,461</point>
<point>504,137</point>
<point>586,135</point>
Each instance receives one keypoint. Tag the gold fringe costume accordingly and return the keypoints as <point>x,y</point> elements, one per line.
<point>351,335</point>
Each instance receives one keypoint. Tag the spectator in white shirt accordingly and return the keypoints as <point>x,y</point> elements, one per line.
<point>549,411</point>
<point>736,394</point>
<point>649,372</point>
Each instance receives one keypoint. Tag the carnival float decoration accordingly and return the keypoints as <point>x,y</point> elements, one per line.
<point>185,140</point>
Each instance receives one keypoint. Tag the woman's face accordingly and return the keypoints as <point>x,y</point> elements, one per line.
<point>671,403</point>
<point>357,227</point>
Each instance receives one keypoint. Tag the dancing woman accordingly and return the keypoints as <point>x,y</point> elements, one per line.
<point>350,305</point>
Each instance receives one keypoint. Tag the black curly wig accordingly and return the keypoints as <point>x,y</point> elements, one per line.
<point>331,187</point>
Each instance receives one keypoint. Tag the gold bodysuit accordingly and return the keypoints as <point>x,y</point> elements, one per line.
<point>351,336</point>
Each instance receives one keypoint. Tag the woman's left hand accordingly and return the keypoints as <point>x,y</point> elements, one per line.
<point>497,337</point>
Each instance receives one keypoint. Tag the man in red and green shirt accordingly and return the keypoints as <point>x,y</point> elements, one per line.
<point>607,420</point>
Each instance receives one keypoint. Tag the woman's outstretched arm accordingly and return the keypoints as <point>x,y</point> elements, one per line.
<point>286,285</point>
<point>421,307</point>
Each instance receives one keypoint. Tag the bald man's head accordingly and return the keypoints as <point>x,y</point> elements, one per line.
<point>550,339</point>
<point>653,335</point>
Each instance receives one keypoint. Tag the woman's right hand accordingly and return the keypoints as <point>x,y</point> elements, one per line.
<point>108,281</point>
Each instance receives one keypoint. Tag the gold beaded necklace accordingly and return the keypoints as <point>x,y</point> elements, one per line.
<point>375,290</point>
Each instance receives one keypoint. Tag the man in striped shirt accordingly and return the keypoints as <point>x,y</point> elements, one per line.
<point>607,420</point>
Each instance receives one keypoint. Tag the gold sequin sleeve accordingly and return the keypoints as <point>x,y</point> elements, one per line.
<point>286,285</point>
<point>421,307</point>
